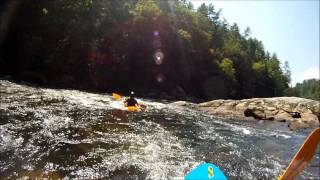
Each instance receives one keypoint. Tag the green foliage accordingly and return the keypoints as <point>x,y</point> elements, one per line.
<point>309,89</point>
<point>110,45</point>
<point>45,11</point>
<point>291,92</point>
<point>287,72</point>
<point>146,8</point>
<point>276,73</point>
<point>258,67</point>
<point>232,46</point>
<point>247,32</point>
<point>227,67</point>
<point>184,35</point>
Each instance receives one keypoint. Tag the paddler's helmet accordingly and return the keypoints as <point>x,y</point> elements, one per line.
<point>132,94</point>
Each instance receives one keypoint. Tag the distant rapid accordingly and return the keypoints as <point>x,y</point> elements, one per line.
<point>50,133</point>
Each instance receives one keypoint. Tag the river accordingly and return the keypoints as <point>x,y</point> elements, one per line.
<point>68,134</point>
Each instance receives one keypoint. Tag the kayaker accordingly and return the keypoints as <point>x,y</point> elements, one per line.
<point>131,101</point>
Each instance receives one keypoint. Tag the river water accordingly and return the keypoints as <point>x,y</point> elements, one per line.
<point>48,133</point>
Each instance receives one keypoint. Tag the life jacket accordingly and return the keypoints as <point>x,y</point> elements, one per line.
<point>131,102</point>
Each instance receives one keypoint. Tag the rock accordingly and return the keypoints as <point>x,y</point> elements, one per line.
<point>183,103</point>
<point>283,116</point>
<point>297,125</point>
<point>221,111</point>
<point>12,107</point>
<point>230,105</point>
<point>302,108</point>
<point>215,103</point>
<point>318,115</point>
<point>257,109</point>
<point>257,114</point>
<point>241,106</point>
<point>295,115</point>
<point>270,118</point>
<point>270,113</point>
<point>315,107</point>
<point>305,120</point>
<point>288,107</point>
<point>298,112</point>
<point>256,105</point>
<point>310,119</point>
<point>271,108</point>
<point>248,113</point>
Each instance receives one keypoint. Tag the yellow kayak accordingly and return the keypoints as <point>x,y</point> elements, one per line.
<point>139,108</point>
<point>134,108</point>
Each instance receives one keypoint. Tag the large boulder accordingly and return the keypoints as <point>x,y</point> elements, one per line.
<point>297,124</point>
<point>302,108</point>
<point>270,113</point>
<point>283,116</point>
<point>255,113</point>
<point>314,107</point>
<point>230,105</point>
<point>298,112</point>
<point>288,107</point>
<point>311,119</point>
<point>242,106</point>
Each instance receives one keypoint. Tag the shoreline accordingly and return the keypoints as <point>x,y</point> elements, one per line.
<point>297,112</point>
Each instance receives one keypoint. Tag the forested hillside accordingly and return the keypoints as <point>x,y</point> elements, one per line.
<point>158,48</point>
<point>307,89</point>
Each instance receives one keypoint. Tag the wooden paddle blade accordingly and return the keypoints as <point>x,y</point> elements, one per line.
<point>116,96</point>
<point>303,156</point>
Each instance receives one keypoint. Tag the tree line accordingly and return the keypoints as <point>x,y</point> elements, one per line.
<point>159,48</point>
<point>309,89</point>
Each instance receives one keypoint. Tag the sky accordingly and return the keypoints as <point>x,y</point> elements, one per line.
<point>288,28</point>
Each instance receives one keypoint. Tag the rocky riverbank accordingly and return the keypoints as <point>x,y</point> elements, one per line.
<point>297,112</point>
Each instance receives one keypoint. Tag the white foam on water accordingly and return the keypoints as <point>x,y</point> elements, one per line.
<point>117,105</point>
<point>155,153</point>
<point>246,131</point>
<point>150,147</point>
<point>152,104</point>
<point>89,100</point>
<point>8,140</point>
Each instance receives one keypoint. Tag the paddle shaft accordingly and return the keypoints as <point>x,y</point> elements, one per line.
<point>303,156</point>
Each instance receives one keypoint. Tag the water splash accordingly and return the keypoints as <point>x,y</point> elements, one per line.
<point>47,133</point>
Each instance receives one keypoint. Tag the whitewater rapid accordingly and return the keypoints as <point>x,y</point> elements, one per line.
<point>72,134</point>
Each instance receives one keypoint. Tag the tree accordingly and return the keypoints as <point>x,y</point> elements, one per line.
<point>227,67</point>
<point>106,45</point>
<point>146,9</point>
<point>247,32</point>
<point>309,88</point>
<point>287,72</point>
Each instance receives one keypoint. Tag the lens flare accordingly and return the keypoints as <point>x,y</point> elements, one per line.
<point>160,78</point>
<point>158,57</point>
<point>158,61</point>
<point>125,35</point>
<point>156,33</point>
